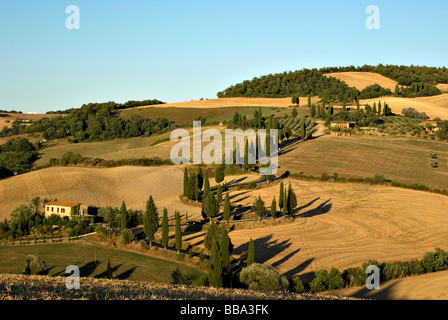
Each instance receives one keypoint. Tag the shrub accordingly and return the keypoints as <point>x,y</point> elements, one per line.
<point>263,277</point>
<point>435,261</point>
<point>320,281</point>
<point>335,280</point>
<point>35,265</point>
<point>143,244</point>
<point>324,176</point>
<point>354,277</point>
<point>297,285</point>
<point>178,278</point>
<point>126,236</point>
<point>379,179</point>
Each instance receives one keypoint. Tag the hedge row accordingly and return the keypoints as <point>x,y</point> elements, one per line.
<point>354,277</point>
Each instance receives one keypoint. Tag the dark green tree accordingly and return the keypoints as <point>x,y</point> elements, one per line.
<point>220,173</point>
<point>219,194</point>
<point>227,208</point>
<point>150,220</point>
<point>291,202</point>
<point>109,274</point>
<point>250,253</point>
<point>313,111</point>
<point>211,206</point>
<point>185,182</point>
<point>165,229</point>
<point>281,196</point>
<point>215,267</point>
<point>273,208</point>
<point>294,113</point>
<point>200,178</point>
<point>206,186</point>
<point>178,232</point>
<point>259,207</point>
<point>123,216</point>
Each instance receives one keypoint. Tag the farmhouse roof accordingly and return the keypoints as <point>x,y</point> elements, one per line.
<point>62,203</point>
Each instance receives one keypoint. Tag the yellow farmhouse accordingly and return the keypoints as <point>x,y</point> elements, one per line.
<point>65,209</point>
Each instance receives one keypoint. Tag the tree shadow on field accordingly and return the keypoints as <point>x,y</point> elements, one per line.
<point>266,248</point>
<point>308,204</point>
<point>385,292</point>
<point>299,268</point>
<point>88,269</point>
<point>104,273</point>
<point>126,274</point>
<point>323,208</point>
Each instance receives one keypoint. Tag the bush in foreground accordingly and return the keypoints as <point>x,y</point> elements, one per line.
<point>263,277</point>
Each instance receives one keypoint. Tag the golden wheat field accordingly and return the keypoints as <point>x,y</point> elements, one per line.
<point>103,187</point>
<point>342,225</point>
<point>435,106</point>
<point>236,102</point>
<point>21,287</point>
<point>361,80</point>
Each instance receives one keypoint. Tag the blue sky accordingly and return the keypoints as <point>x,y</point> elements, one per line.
<point>184,50</point>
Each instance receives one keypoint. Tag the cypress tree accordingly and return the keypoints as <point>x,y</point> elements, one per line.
<point>251,253</point>
<point>313,111</point>
<point>280,198</point>
<point>224,249</point>
<point>210,206</point>
<point>357,104</point>
<point>178,234</point>
<point>227,208</point>
<point>109,274</point>
<point>123,216</point>
<point>200,179</point>
<point>246,155</point>
<point>219,194</point>
<point>220,173</point>
<point>150,220</point>
<point>397,90</point>
<point>260,117</point>
<point>192,181</point>
<point>291,202</point>
<point>196,189</point>
<point>379,108</point>
<point>165,229</point>
<point>273,208</point>
<point>215,267</point>
<point>309,101</point>
<point>255,120</point>
<point>206,186</point>
<point>211,235</point>
<point>185,182</point>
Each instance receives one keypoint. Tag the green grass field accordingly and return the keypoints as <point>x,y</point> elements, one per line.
<point>400,159</point>
<point>92,262</point>
<point>185,116</point>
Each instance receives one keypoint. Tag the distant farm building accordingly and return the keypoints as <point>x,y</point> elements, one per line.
<point>342,124</point>
<point>430,125</point>
<point>66,209</point>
